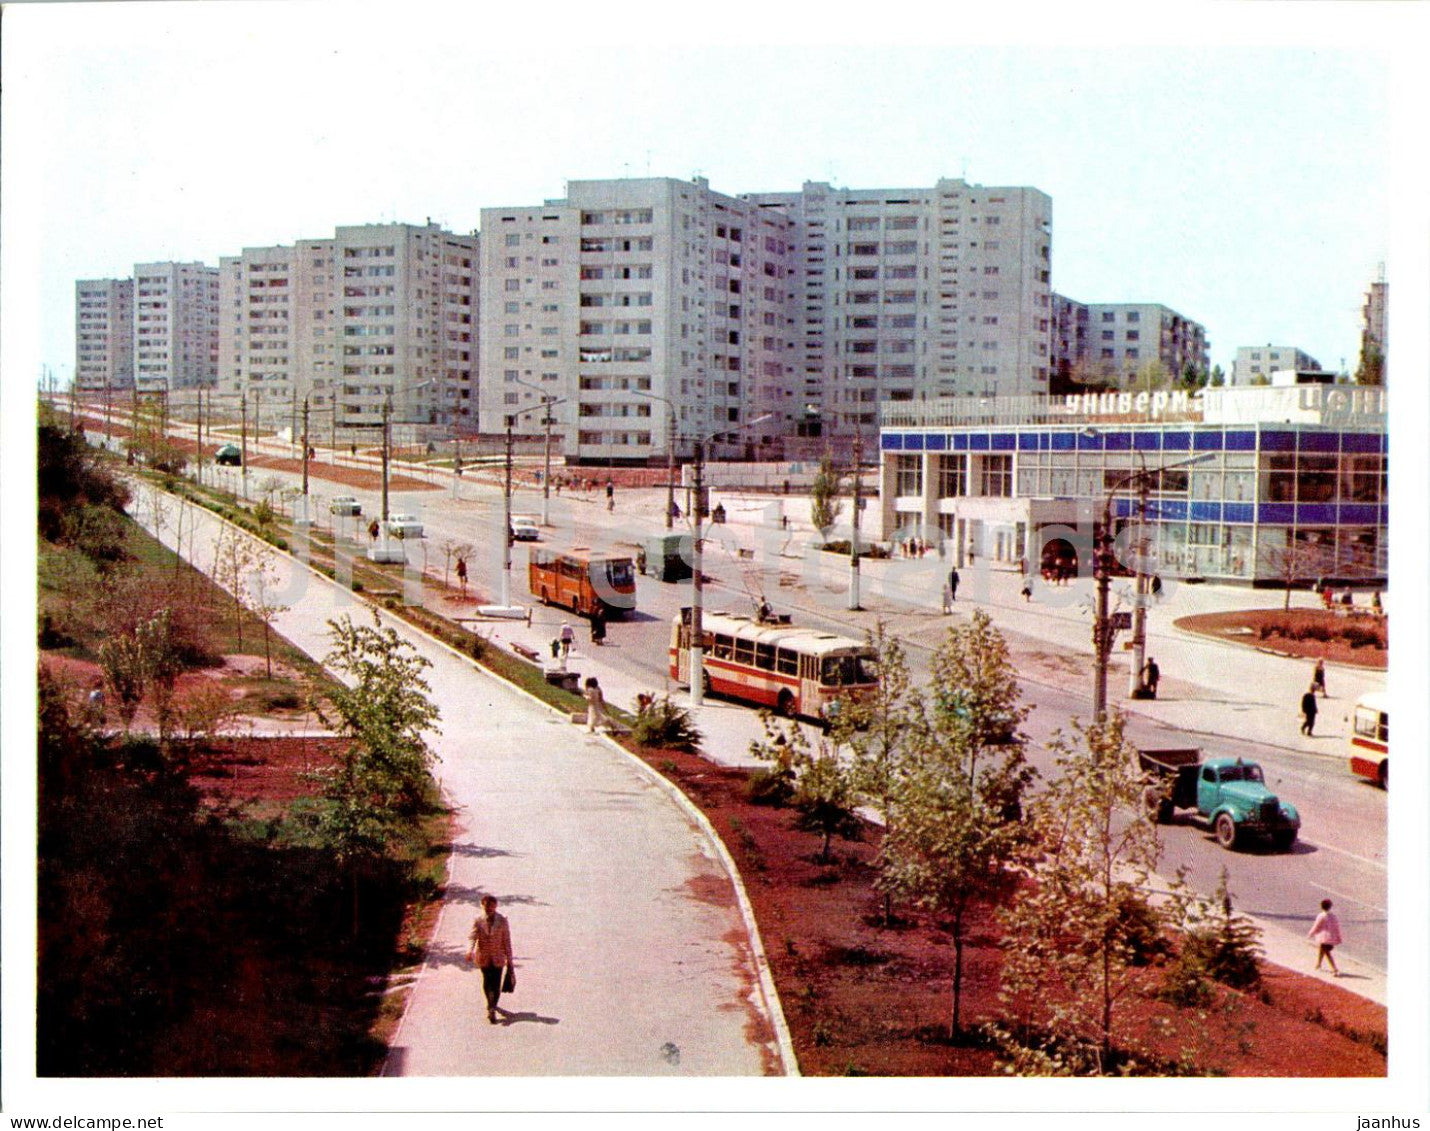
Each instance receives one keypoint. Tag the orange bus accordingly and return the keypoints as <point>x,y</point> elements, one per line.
<point>795,671</point>
<point>1370,738</point>
<point>583,580</point>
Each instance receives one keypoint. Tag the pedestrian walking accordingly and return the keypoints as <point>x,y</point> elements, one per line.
<point>598,625</point>
<point>1326,934</point>
<point>610,496</point>
<point>1308,711</point>
<point>947,599</point>
<point>595,705</point>
<point>1027,589</point>
<point>952,585</point>
<point>568,638</point>
<point>491,953</point>
<point>1151,676</point>
<point>1318,677</point>
<point>372,530</point>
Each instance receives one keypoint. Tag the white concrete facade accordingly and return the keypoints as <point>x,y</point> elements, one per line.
<point>914,293</point>
<point>376,311</point>
<point>1254,365</point>
<point>1098,340</point>
<point>104,334</point>
<point>175,326</point>
<point>632,302</point>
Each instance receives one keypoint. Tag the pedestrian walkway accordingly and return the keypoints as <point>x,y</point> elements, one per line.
<point>635,949</point>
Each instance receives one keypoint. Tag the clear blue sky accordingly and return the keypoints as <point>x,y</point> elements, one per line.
<point>1243,185</point>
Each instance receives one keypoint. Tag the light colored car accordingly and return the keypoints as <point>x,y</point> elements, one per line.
<point>404,525</point>
<point>344,504</point>
<point>525,529</point>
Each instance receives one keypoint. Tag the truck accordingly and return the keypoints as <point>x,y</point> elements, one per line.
<point>1229,794</point>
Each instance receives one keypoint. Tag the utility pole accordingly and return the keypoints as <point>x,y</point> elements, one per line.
<point>546,469</point>
<point>199,439</point>
<point>506,522</point>
<point>697,630</point>
<point>386,444</point>
<point>305,449</point>
<point>1137,686</point>
<point>854,534</point>
<point>1102,630</point>
<point>243,441</point>
<point>670,469</point>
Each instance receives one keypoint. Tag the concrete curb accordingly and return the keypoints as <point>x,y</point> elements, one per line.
<point>772,1007</point>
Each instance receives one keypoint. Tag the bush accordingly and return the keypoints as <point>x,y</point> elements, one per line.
<point>774,787</point>
<point>1362,636</point>
<point>667,726</point>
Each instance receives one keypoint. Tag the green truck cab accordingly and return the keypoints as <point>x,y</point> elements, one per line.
<point>1229,794</point>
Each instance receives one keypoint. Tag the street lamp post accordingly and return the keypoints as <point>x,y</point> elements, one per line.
<point>854,533</point>
<point>697,628</point>
<point>1103,630</point>
<point>669,457</point>
<point>547,402</point>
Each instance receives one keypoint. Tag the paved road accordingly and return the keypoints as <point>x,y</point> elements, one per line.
<point>1226,698</point>
<point>632,951</point>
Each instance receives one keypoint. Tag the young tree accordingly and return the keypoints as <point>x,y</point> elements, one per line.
<point>1071,936</point>
<point>260,589</point>
<point>960,798</point>
<point>233,559</point>
<point>881,732</point>
<point>382,783</point>
<point>122,660</point>
<point>824,505</point>
<point>814,779</point>
<point>161,665</point>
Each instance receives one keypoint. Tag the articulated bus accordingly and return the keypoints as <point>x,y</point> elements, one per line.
<point>583,580</point>
<point>796,671</point>
<point>1370,738</point>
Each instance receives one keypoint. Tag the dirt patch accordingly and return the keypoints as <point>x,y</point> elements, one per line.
<point>1308,633</point>
<point>865,998</point>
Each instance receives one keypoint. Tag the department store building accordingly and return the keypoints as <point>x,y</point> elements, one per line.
<point>1240,485</point>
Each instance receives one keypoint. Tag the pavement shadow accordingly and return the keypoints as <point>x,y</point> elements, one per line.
<point>479,851</point>
<point>509,1017</point>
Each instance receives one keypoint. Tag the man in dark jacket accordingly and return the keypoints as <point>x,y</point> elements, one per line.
<point>1308,711</point>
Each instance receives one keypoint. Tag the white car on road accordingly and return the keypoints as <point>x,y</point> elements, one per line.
<point>524,528</point>
<point>404,526</point>
<point>344,504</point>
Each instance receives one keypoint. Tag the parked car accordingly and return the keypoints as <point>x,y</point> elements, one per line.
<point>524,528</point>
<point>404,526</point>
<point>229,454</point>
<point>344,504</point>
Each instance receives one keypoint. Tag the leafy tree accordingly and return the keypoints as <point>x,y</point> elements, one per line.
<point>813,779</point>
<point>824,505</point>
<point>233,559</point>
<point>1217,945</point>
<point>162,665</point>
<point>881,733</point>
<point>121,658</point>
<point>373,799</point>
<point>260,588</point>
<point>1071,937</point>
<point>960,798</point>
<point>71,476</point>
<point>1152,374</point>
<point>1218,377</point>
<point>1371,370</point>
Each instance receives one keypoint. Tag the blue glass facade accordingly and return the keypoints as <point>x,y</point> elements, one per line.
<point>1249,502</point>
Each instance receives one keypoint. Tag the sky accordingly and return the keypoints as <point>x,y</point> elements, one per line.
<point>1243,184</point>
<point>1249,165</point>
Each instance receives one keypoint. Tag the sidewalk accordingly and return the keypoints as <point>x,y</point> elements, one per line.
<point>635,949</point>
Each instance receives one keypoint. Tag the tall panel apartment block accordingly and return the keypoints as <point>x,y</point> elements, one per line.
<point>636,302</point>
<point>1099,341</point>
<point>104,334</point>
<point>913,293</point>
<point>378,311</point>
<point>175,325</point>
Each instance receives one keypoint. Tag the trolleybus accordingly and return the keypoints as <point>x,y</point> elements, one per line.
<point>796,671</point>
<point>1370,738</point>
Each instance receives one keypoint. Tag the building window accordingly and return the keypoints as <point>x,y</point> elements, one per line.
<point>995,476</point>
<point>952,476</point>
<point>908,475</point>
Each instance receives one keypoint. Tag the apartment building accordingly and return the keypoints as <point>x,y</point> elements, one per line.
<point>1255,364</point>
<point>656,311</point>
<point>104,334</point>
<point>175,326</point>
<point>907,294</point>
<point>377,314</point>
<point>1103,341</point>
